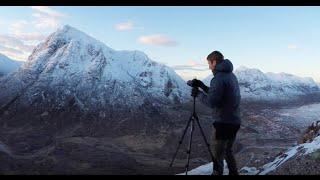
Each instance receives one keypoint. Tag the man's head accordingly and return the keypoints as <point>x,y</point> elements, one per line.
<point>214,58</point>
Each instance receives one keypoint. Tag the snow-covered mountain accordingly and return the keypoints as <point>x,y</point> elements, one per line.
<point>70,65</point>
<point>256,85</point>
<point>8,65</point>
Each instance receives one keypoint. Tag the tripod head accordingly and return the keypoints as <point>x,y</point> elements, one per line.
<point>193,83</point>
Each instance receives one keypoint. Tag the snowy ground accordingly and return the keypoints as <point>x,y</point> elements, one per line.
<point>205,170</point>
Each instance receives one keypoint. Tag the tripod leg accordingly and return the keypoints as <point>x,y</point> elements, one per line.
<point>204,138</point>
<point>180,142</point>
<point>189,148</point>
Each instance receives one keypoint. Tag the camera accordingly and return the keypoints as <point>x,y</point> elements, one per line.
<point>193,83</point>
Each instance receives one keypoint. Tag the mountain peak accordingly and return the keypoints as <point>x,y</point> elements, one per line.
<point>67,27</point>
<point>69,30</point>
<point>76,65</point>
<point>68,33</point>
<point>244,69</point>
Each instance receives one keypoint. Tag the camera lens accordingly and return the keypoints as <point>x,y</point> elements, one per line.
<point>190,83</point>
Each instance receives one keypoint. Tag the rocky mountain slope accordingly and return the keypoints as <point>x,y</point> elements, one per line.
<point>259,86</point>
<point>301,159</point>
<point>8,65</point>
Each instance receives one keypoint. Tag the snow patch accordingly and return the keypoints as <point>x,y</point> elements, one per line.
<point>206,170</point>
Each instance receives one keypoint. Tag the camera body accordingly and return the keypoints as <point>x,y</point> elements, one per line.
<point>193,83</point>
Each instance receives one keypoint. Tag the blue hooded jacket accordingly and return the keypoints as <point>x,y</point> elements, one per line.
<point>223,94</point>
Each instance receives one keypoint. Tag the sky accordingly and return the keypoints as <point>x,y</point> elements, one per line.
<point>269,38</point>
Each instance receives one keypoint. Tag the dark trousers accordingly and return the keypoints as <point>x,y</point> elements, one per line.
<point>223,139</point>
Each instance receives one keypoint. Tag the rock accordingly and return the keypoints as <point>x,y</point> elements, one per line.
<point>44,114</point>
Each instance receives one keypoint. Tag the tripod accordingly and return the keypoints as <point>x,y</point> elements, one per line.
<point>192,120</point>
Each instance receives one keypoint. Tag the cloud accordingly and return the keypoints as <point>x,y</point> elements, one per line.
<point>187,67</point>
<point>17,29</point>
<point>13,42</point>
<point>30,36</point>
<point>44,21</point>
<point>14,47</point>
<point>46,17</point>
<point>9,50</point>
<point>47,10</point>
<point>191,65</point>
<point>195,63</point>
<point>187,75</point>
<point>158,40</point>
<point>13,53</point>
<point>19,25</point>
<point>25,34</point>
<point>292,46</point>
<point>125,26</point>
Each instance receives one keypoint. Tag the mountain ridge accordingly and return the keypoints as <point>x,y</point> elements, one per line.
<point>256,85</point>
<point>8,65</point>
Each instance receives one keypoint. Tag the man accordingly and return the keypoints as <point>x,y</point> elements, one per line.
<point>223,95</point>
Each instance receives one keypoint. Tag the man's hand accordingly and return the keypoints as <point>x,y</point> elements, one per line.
<point>200,84</point>
<point>195,92</point>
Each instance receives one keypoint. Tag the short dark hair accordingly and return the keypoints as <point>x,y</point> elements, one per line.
<point>216,55</point>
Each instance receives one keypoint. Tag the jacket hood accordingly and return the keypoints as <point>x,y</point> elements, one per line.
<point>224,66</point>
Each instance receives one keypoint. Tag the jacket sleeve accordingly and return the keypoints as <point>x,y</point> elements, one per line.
<point>214,95</point>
